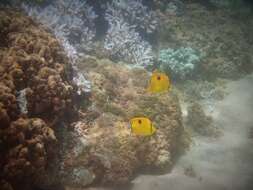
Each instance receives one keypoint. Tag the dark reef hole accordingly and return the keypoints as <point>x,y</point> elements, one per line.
<point>100,22</point>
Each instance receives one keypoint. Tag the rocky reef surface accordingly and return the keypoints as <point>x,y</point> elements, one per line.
<point>42,116</point>
<point>34,66</point>
<point>45,124</point>
<point>101,148</point>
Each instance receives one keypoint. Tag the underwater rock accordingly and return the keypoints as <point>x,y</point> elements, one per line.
<point>104,144</point>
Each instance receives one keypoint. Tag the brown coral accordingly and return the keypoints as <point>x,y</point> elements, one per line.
<point>35,60</point>
<point>28,140</point>
<point>30,59</point>
<point>8,102</point>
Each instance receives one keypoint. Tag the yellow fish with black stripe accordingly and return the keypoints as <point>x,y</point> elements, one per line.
<point>159,82</point>
<point>142,126</point>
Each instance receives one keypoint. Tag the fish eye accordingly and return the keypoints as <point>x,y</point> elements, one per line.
<point>158,78</point>
<point>139,121</point>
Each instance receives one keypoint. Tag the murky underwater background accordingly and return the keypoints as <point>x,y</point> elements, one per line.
<point>74,73</point>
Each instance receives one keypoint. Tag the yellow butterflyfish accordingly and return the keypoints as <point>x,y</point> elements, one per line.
<point>142,126</point>
<point>159,82</point>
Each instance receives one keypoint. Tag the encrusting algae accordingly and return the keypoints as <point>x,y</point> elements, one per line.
<point>110,152</point>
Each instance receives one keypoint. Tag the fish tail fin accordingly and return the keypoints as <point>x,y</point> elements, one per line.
<point>152,129</point>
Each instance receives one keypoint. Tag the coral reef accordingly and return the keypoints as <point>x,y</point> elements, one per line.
<point>73,24</point>
<point>135,14</point>
<point>36,62</point>
<point>8,103</point>
<point>30,142</point>
<point>122,39</point>
<point>123,42</point>
<point>35,93</point>
<point>72,21</point>
<point>22,101</point>
<point>178,62</point>
<point>218,35</point>
<point>42,79</point>
<point>101,145</point>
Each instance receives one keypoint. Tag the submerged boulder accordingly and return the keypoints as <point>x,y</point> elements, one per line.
<point>102,143</point>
